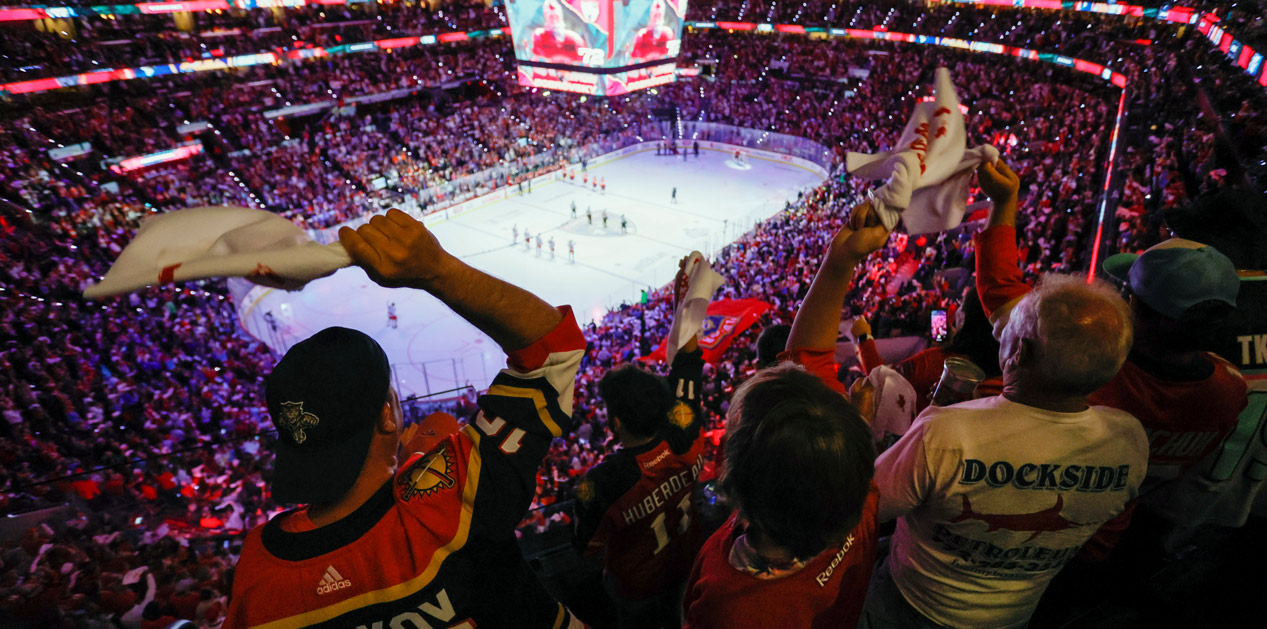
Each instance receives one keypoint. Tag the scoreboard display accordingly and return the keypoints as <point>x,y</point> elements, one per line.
<point>596,47</point>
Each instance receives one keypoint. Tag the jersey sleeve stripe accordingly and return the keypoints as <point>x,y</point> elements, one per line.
<point>566,336</point>
<point>538,399</point>
<point>411,586</point>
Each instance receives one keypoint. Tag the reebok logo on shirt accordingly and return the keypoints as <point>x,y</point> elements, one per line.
<point>332,581</point>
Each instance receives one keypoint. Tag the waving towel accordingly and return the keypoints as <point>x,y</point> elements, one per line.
<point>929,170</point>
<point>701,282</point>
<point>220,241</point>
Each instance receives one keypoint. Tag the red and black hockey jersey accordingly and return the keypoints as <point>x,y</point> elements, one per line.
<point>638,503</point>
<point>435,547</point>
<point>557,45</point>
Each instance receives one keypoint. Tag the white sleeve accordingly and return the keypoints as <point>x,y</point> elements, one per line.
<point>902,473</point>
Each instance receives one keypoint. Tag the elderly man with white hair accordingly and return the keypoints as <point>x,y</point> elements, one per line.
<point>994,495</point>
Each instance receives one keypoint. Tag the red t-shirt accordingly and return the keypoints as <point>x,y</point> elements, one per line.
<point>185,605</point>
<point>651,43</point>
<point>827,592</point>
<point>160,623</point>
<point>558,46</point>
<point>923,371</point>
<point>1185,420</point>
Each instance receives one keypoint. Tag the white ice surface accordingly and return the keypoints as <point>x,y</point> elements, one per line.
<point>432,349</point>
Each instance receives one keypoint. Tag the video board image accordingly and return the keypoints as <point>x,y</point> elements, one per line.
<point>567,32</point>
<point>650,30</point>
<point>596,47</point>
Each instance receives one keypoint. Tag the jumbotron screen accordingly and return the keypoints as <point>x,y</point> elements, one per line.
<point>596,47</point>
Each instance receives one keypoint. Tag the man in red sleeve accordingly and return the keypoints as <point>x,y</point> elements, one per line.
<point>1187,399</point>
<point>555,42</point>
<point>1181,291</point>
<point>799,549</point>
<point>653,41</point>
<point>430,542</point>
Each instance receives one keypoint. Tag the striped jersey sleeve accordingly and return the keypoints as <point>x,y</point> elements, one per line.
<point>435,546</point>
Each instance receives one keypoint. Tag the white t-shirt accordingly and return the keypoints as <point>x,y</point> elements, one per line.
<point>995,497</point>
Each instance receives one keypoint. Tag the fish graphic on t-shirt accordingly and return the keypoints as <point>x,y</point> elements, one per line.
<point>1048,519</point>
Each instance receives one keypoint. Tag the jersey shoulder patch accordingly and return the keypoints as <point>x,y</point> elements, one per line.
<point>428,474</point>
<point>585,491</point>
<point>682,415</point>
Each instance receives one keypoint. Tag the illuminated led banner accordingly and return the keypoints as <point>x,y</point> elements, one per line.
<point>226,63</point>
<point>185,151</point>
<point>1107,74</point>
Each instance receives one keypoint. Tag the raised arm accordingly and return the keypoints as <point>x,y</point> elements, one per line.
<point>686,374</point>
<point>864,343</point>
<point>526,406</point>
<point>1000,283</point>
<point>396,250</point>
<point>818,321</point>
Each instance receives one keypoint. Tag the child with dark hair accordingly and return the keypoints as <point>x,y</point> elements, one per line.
<point>637,401</point>
<point>772,341</point>
<point>799,548</point>
<point>637,505</point>
<point>794,440</point>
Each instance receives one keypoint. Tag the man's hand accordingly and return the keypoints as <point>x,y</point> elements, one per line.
<point>396,250</point>
<point>861,327</point>
<point>860,236</point>
<point>862,395</point>
<point>1002,185</point>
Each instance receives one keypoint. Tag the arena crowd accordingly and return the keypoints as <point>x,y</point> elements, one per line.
<point>142,420</point>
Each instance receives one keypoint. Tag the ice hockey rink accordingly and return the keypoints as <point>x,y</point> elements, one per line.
<point>432,350</point>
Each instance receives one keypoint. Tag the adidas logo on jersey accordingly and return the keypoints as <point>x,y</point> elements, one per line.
<point>332,581</point>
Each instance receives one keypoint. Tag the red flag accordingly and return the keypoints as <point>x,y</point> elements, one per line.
<point>723,321</point>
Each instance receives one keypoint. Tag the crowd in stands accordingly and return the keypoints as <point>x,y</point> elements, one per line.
<point>87,43</point>
<point>140,409</point>
<point>88,385</point>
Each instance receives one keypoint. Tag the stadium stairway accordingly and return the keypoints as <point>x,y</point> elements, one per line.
<point>220,146</point>
<point>337,166</point>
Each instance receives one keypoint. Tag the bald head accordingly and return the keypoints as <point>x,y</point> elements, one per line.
<point>1069,335</point>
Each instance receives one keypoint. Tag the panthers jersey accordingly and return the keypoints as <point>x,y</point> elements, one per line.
<point>435,547</point>
<point>637,504</point>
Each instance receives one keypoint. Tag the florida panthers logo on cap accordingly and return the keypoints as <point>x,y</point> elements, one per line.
<point>432,473</point>
<point>296,420</point>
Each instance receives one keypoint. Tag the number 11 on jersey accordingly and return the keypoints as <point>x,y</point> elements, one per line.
<point>661,531</point>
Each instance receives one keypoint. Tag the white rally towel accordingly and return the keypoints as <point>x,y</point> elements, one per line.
<point>701,282</point>
<point>929,169</point>
<point>221,241</point>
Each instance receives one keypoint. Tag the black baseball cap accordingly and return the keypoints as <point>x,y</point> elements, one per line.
<point>324,397</point>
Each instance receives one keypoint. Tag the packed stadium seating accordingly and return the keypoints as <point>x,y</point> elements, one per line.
<point>88,385</point>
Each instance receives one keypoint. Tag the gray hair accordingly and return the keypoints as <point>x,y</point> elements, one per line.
<point>1082,332</point>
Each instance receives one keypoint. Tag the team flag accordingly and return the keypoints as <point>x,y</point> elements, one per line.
<point>724,320</point>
